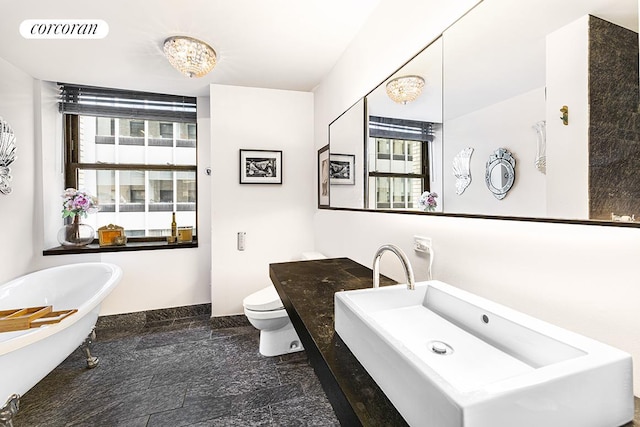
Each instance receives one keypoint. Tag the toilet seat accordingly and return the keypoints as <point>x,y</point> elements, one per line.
<point>266,299</point>
<point>266,315</point>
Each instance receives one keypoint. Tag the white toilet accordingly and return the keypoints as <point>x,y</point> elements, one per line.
<point>265,311</point>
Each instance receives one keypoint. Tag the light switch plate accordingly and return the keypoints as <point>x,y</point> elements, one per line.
<point>242,236</point>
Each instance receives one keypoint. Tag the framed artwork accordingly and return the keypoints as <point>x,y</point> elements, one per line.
<point>260,167</point>
<point>341,169</point>
<point>111,235</point>
<point>323,177</point>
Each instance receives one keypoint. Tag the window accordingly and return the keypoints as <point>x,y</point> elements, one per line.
<point>398,154</point>
<point>166,130</point>
<point>137,153</point>
<point>136,128</point>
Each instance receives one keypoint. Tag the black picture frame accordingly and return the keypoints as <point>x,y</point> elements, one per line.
<point>260,166</point>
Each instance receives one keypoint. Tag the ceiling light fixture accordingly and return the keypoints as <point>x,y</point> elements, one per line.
<point>192,57</point>
<point>405,88</point>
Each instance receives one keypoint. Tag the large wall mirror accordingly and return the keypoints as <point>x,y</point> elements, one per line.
<point>346,158</point>
<point>553,84</point>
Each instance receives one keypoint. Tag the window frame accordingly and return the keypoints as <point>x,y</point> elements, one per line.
<point>73,164</point>
<point>394,131</point>
<point>423,176</point>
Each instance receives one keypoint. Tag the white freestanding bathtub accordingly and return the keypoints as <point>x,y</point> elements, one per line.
<point>27,356</point>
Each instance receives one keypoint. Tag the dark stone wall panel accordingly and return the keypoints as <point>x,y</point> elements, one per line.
<point>614,128</point>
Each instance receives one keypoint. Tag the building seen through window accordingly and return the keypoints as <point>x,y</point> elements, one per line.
<point>398,169</point>
<point>398,175</point>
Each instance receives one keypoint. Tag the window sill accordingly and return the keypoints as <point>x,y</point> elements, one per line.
<point>130,246</point>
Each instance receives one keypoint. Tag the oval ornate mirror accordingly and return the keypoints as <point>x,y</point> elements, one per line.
<point>501,172</point>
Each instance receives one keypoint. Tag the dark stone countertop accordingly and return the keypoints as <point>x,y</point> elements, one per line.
<point>307,290</point>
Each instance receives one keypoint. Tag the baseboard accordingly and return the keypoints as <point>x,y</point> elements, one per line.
<point>223,322</point>
<point>145,319</point>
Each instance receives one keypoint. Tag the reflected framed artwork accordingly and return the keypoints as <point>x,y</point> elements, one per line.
<point>341,169</point>
<point>260,167</point>
<point>323,176</point>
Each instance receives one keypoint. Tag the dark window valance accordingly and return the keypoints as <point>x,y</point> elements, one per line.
<point>103,102</point>
<point>387,127</point>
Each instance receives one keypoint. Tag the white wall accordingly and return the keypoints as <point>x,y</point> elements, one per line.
<point>507,124</point>
<point>18,209</point>
<point>567,84</point>
<point>583,278</point>
<point>276,218</point>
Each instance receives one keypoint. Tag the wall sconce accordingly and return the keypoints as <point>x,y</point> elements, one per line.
<point>405,88</point>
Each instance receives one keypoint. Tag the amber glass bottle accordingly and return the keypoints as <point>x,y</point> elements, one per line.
<point>174,225</point>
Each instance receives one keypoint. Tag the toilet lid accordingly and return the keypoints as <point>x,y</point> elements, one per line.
<point>264,300</point>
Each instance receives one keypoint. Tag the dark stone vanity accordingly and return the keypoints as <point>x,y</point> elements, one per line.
<point>307,290</point>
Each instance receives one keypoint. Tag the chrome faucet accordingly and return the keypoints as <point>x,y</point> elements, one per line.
<point>405,263</point>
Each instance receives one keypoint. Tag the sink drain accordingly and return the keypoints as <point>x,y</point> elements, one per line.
<point>439,347</point>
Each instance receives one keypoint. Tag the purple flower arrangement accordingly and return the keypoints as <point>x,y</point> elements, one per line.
<point>78,202</point>
<point>427,201</point>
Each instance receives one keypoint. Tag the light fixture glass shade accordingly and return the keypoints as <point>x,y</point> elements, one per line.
<point>192,57</point>
<point>405,88</point>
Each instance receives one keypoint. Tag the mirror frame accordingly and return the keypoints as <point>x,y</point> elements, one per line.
<point>500,158</point>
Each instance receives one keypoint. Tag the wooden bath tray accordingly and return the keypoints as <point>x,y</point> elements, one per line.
<point>30,317</point>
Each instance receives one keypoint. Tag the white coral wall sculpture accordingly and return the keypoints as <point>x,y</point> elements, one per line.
<point>541,146</point>
<point>461,169</point>
<point>7,155</point>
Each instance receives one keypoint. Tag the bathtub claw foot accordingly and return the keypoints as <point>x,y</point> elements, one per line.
<point>92,361</point>
<point>9,410</point>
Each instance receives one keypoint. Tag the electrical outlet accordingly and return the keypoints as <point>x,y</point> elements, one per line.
<point>422,244</point>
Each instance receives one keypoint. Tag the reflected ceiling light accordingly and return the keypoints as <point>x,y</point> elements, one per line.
<point>405,88</point>
<point>192,57</point>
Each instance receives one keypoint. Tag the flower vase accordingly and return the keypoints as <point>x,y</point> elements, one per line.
<point>76,233</point>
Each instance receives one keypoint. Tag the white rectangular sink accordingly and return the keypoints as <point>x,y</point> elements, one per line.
<point>448,358</point>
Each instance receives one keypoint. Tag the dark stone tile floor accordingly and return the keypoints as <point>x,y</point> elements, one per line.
<point>178,374</point>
